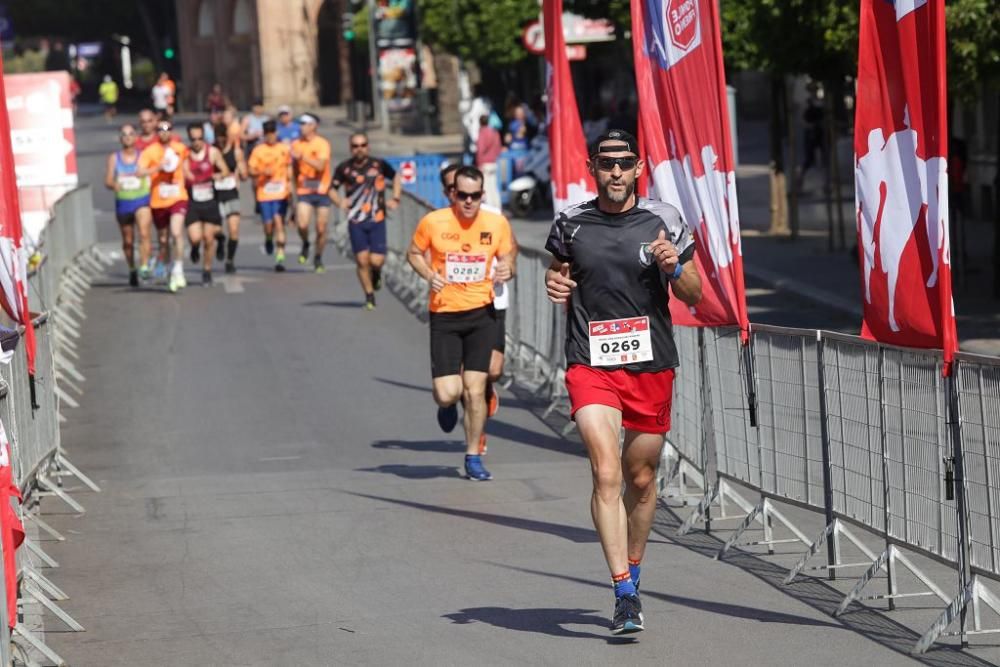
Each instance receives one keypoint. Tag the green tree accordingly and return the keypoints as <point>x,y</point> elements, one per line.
<point>974,71</point>
<point>786,38</point>
<point>482,31</point>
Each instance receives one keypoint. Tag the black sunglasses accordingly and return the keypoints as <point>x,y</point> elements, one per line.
<point>463,196</point>
<point>608,163</point>
<point>359,145</point>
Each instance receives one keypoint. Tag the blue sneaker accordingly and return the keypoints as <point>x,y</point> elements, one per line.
<point>447,417</point>
<point>474,469</point>
<point>628,615</point>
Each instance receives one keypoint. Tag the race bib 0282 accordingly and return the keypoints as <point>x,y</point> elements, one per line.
<point>461,268</point>
<point>620,342</point>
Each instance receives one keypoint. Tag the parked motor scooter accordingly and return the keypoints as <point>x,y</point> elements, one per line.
<point>532,188</point>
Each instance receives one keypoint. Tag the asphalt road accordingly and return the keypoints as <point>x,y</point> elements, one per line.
<point>277,492</point>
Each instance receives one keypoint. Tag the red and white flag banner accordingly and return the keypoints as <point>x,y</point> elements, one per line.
<point>11,528</point>
<point>571,181</point>
<point>13,257</point>
<point>901,175</point>
<point>684,125</point>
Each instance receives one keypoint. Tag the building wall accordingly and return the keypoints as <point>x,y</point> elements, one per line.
<point>258,49</point>
<point>218,43</point>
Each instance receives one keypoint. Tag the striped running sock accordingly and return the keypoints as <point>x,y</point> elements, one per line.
<point>623,584</point>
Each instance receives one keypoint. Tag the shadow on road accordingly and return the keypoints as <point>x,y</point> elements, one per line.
<point>334,304</point>
<point>816,593</point>
<point>414,472</point>
<point>545,621</point>
<point>722,608</point>
<point>448,446</point>
<point>571,533</point>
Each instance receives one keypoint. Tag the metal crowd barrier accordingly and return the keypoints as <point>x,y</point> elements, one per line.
<point>66,262</point>
<point>858,431</point>
<point>898,459</point>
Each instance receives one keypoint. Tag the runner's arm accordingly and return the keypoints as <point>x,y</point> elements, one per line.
<point>109,174</point>
<point>419,263</point>
<point>318,165</point>
<point>397,187</point>
<point>558,285</point>
<point>687,288</point>
<point>185,167</point>
<point>507,267</point>
<point>219,163</point>
<point>241,164</point>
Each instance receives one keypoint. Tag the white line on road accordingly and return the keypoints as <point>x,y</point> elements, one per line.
<point>268,459</point>
<point>234,284</point>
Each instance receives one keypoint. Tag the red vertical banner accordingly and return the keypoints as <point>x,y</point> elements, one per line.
<point>11,528</point>
<point>901,175</point>
<point>571,181</point>
<point>13,258</point>
<point>684,125</point>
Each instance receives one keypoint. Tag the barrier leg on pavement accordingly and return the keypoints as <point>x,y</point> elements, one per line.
<point>832,531</point>
<point>763,512</point>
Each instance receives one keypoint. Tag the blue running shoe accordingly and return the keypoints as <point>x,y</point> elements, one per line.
<point>474,469</point>
<point>628,615</point>
<point>447,417</point>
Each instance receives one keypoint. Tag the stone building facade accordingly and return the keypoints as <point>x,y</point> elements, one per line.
<point>281,51</point>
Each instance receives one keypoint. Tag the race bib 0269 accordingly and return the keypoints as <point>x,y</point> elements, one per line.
<point>227,183</point>
<point>620,342</point>
<point>461,268</point>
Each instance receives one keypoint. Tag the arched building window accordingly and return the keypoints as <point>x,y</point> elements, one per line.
<point>242,18</point>
<point>206,18</point>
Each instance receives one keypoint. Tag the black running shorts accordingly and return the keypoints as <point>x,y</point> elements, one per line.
<point>500,344</point>
<point>462,341</point>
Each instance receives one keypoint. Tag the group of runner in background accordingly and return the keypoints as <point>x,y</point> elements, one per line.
<point>192,190</point>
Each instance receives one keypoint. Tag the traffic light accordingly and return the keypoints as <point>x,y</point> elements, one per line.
<point>347,25</point>
<point>169,53</point>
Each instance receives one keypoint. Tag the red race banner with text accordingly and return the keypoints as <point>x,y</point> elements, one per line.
<point>684,125</point>
<point>901,175</point>
<point>13,258</point>
<point>41,122</point>
<point>571,181</point>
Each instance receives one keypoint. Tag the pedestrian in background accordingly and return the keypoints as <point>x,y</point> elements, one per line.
<point>216,101</point>
<point>108,92</point>
<point>488,149</point>
<point>477,107</point>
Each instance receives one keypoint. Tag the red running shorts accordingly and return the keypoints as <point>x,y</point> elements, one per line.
<point>644,399</point>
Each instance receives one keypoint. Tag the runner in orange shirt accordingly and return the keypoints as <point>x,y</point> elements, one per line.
<point>311,153</point>
<point>464,243</point>
<point>168,198</point>
<point>270,166</point>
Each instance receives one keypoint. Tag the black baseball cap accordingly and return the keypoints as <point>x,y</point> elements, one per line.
<point>613,141</point>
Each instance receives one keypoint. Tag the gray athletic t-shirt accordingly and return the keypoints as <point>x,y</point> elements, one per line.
<point>616,276</point>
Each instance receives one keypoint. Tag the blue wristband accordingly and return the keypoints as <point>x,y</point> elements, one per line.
<point>677,272</point>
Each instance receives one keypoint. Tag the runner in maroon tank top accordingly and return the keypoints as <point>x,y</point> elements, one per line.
<point>203,165</point>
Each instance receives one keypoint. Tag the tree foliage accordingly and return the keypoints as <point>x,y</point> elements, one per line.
<point>973,46</point>
<point>813,37</point>
<point>483,31</point>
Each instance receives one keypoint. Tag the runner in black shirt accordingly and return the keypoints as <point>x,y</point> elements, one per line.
<point>613,260</point>
<point>364,204</point>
